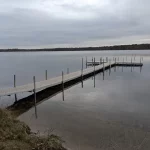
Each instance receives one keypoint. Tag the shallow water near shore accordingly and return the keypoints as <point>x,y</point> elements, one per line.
<point>91,117</point>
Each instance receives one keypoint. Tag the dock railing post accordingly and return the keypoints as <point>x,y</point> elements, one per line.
<point>92,61</point>
<point>45,74</point>
<point>34,82</point>
<point>63,85</point>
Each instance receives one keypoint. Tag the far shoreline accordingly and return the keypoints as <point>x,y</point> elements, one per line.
<point>72,49</point>
<point>5,51</point>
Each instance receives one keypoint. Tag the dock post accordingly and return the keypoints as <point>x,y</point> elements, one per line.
<point>16,98</point>
<point>92,61</point>
<point>45,74</point>
<point>14,87</point>
<point>131,64</point>
<point>103,69</point>
<point>94,66</point>
<point>67,70</point>
<point>118,62</point>
<point>34,82</point>
<point>82,78</point>
<point>94,72</point>
<point>14,80</point>
<point>122,64</point>
<point>103,65</point>
<point>109,67</point>
<point>82,74</point>
<point>100,63</point>
<point>86,61</point>
<point>101,60</point>
<point>140,66</point>
<point>115,65</point>
<point>94,81</point>
<point>106,59</point>
<point>82,63</point>
<point>63,85</point>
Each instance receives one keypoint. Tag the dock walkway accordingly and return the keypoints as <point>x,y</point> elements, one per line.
<point>58,80</point>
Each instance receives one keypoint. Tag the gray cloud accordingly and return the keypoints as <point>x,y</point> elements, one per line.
<point>43,23</point>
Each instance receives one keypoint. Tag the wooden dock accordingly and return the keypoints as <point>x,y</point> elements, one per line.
<point>65,78</point>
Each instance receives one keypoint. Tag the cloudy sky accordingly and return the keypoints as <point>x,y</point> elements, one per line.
<point>73,23</point>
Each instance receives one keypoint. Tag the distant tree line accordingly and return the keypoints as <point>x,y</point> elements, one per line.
<point>115,47</point>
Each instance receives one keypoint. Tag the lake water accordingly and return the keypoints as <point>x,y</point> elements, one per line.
<point>113,115</point>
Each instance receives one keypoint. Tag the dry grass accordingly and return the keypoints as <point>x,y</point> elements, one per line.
<point>15,135</point>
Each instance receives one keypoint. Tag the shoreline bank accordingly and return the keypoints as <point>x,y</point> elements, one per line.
<point>15,134</point>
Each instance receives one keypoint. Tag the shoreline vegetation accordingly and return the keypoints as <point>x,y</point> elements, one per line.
<point>16,135</point>
<point>102,48</point>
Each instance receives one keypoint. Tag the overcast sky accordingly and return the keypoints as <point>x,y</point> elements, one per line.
<point>73,23</point>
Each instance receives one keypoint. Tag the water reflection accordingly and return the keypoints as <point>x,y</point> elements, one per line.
<point>90,118</point>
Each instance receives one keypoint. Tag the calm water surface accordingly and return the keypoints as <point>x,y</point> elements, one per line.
<point>89,118</point>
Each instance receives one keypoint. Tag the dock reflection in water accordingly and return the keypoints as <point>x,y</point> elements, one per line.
<point>116,111</point>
